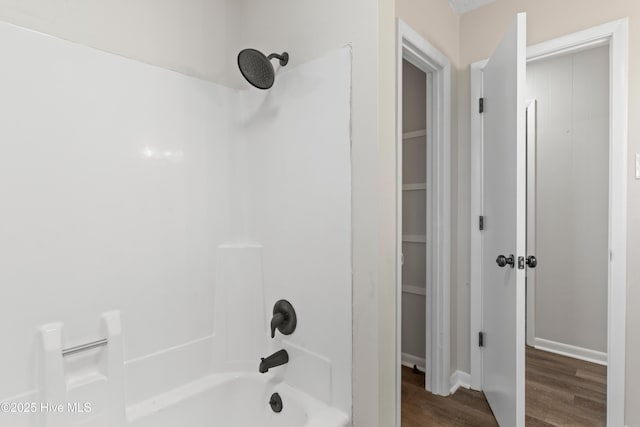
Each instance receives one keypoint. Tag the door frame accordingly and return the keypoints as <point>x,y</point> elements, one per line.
<point>615,34</point>
<point>532,117</point>
<point>415,49</point>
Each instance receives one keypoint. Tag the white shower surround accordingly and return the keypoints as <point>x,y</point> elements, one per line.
<point>123,185</point>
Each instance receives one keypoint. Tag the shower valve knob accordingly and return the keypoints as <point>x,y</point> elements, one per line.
<point>284,318</point>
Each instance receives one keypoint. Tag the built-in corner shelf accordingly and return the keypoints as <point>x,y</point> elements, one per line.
<point>414,134</point>
<point>414,238</point>
<point>414,187</point>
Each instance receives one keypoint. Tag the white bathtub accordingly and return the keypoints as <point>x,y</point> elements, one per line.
<point>234,400</point>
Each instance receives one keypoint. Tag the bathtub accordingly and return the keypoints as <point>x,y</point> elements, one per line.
<point>234,400</point>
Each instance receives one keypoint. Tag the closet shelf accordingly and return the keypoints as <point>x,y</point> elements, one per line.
<point>414,187</point>
<point>414,134</point>
<point>415,290</point>
<point>414,238</point>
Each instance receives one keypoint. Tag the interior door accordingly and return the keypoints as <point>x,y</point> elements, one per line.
<point>504,206</point>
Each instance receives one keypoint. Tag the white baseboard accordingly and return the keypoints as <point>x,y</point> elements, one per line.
<point>571,351</point>
<point>459,379</point>
<point>409,360</point>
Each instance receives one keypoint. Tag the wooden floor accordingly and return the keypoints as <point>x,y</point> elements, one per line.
<point>420,408</point>
<point>560,391</point>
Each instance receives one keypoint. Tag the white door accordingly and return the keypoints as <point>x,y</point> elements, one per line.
<point>504,206</point>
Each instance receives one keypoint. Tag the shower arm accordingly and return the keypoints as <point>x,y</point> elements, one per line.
<point>284,58</point>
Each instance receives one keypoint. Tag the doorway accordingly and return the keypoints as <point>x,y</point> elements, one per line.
<point>614,36</point>
<point>415,221</point>
<point>423,215</point>
<point>567,230</point>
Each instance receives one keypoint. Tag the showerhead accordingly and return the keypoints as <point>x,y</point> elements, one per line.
<point>257,68</point>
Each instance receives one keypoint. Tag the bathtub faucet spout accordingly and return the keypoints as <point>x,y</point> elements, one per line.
<point>276,359</point>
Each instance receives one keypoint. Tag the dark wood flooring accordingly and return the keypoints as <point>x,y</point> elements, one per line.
<point>560,391</point>
<point>421,408</point>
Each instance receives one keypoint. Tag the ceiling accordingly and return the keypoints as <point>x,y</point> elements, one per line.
<point>463,6</point>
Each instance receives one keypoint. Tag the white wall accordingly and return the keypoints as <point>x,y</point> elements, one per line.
<point>571,217</point>
<point>193,37</point>
<point>436,21</point>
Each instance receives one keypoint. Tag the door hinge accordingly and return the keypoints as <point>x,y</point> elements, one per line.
<point>481,105</point>
<point>481,222</point>
<point>480,339</point>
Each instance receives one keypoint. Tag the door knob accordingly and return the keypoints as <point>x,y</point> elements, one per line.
<point>502,261</point>
<point>532,261</point>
